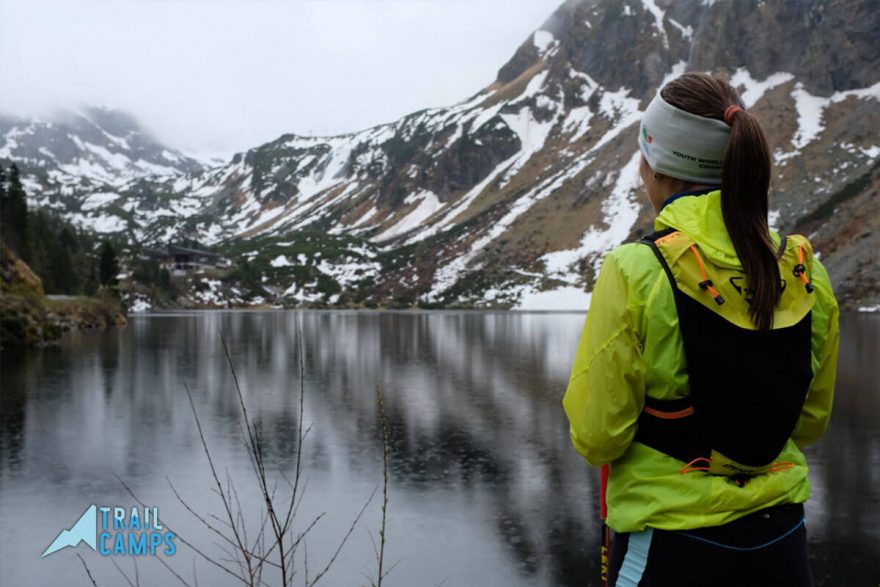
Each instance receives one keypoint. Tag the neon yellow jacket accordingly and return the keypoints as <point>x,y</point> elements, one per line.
<point>631,346</point>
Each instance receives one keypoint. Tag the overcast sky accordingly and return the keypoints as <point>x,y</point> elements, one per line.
<point>214,76</point>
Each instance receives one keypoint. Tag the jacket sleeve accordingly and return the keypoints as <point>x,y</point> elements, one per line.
<point>826,339</point>
<point>606,390</point>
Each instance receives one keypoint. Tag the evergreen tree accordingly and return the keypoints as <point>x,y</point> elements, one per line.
<point>56,251</point>
<point>90,287</point>
<point>108,265</point>
<point>164,279</point>
<point>41,260</point>
<point>15,220</point>
<point>64,277</point>
<point>4,205</point>
<point>67,238</point>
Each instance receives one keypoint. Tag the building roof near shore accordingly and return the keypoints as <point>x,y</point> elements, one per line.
<point>175,250</point>
<point>178,250</point>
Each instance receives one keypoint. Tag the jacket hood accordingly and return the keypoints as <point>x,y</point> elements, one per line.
<point>699,217</point>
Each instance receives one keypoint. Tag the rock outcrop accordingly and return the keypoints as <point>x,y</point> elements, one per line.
<point>28,317</point>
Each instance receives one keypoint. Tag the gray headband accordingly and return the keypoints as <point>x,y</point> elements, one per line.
<point>683,145</point>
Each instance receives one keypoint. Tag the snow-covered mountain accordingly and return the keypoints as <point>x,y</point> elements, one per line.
<point>513,196</point>
<point>85,162</point>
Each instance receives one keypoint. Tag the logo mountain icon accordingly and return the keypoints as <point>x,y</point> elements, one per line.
<point>85,530</point>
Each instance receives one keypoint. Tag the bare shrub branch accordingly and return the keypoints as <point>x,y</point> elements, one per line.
<point>86,567</point>
<point>273,547</point>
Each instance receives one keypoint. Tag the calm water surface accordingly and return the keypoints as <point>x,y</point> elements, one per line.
<point>485,488</point>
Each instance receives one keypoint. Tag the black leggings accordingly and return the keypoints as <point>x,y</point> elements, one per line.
<point>765,549</point>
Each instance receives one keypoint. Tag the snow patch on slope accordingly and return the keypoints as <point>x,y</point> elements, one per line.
<point>755,89</point>
<point>578,119</point>
<point>98,200</point>
<point>687,32</point>
<point>617,105</point>
<point>280,261</point>
<point>447,275</point>
<point>349,271</point>
<point>428,204</point>
<point>543,40</point>
<point>99,222</point>
<point>447,221</point>
<point>810,110</point>
<point>652,7</point>
<point>532,135</point>
<point>871,152</point>
<point>621,210</point>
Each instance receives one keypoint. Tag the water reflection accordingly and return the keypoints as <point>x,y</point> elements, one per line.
<point>844,511</point>
<point>483,477</point>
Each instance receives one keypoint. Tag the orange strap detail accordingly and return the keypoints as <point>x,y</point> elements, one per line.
<point>670,415</point>
<point>699,261</point>
<point>666,237</point>
<point>780,466</point>
<point>802,274</point>
<point>800,270</point>
<point>706,283</point>
<point>691,466</point>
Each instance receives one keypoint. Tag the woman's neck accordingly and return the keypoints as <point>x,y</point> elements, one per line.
<point>673,186</point>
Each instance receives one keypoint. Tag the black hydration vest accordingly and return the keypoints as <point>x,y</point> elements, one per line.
<point>747,389</point>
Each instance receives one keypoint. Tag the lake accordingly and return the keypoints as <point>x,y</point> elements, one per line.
<point>484,486</point>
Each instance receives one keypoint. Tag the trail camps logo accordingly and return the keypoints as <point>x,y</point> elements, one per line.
<point>134,532</point>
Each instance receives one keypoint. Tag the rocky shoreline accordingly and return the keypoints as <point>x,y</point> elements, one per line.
<point>30,318</point>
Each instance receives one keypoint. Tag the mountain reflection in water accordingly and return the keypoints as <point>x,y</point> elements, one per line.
<point>485,487</point>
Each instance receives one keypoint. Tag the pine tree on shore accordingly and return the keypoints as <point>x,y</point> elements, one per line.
<point>5,218</point>
<point>18,199</point>
<point>14,214</point>
<point>108,265</point>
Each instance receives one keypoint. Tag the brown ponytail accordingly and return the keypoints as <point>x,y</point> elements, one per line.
<point>744,184</point>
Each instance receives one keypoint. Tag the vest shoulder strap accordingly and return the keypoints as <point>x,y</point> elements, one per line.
<point>651,241</point>
<point>655,236</point>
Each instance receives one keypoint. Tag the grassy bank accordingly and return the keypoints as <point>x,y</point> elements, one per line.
<point>29,317</point>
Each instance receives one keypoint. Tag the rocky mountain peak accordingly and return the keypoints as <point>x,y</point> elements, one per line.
<point>828,45</point>
<point>98,144</point>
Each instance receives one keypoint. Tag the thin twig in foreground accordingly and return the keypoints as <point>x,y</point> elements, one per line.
<point>226,502</point>
<point>255,446</point>
<point>181,538</point>
<point>121,572</point>
<point>173,572</point>
<point>383,423</point>
<point>306,560</point>
<point>344,539</point>
<point>86,567</point>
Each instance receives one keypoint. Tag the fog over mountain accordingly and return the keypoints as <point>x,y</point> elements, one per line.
<point>212,78</point>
